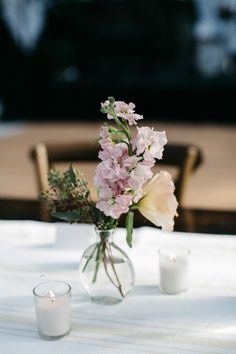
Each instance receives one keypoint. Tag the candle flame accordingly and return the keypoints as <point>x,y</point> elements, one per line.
<point>52,295</point>
<point>172,257</point>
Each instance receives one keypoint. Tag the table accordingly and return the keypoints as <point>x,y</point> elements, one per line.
<point>202,320</point>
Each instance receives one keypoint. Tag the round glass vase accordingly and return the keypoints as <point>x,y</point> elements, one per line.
<point>106,272</point>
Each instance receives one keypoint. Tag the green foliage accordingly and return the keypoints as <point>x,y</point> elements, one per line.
<point>72,216</point>
<point>69,199</point>
<point>129,224</point>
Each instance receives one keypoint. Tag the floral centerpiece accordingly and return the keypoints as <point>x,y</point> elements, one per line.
<point>124,182</point>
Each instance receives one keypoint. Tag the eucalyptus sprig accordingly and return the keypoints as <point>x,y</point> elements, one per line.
<point>69,199</point>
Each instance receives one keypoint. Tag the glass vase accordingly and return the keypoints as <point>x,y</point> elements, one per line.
<point>106,272</point>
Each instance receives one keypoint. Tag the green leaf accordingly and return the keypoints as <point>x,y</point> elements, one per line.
<point>129,224</point>
<point>111,99</point>
<point>72,174</point>
<point>113,130</point>
<point>69,216</point>
<point>103,110</point>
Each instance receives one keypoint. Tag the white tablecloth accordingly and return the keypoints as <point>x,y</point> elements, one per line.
<point>202,320</point>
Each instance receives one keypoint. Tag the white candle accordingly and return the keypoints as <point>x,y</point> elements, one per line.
<point>174,271</point>
<point>52,305</point>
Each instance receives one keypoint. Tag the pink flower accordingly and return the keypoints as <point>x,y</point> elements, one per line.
<point>160,205</point>
<point>105,205</point>
<point>137,195</point>
<point>130,162</point>
<point>148,160</point>
<point>122,174</point>
<point>105,193</point>
<point>139,176</point>
<point>120,151</point>
<point>105,104</point>
<point>121,108</point>
<point>104,154</point>
<point>104,133</point>
<point>112,150</point>
<point>149,140</point>
<point>117,188</point>
<point>116,206</point>
<point>133,117</point>
<point>108,172</point>
<point>124,111</point>
<point>105,140</point>
<point>124,201</point>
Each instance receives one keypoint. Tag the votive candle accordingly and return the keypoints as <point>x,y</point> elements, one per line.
<point>174,270</point>
<point>53,307</point>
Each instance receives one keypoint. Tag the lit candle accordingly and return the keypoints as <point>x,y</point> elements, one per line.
<point>52,306</point>
<point>174,271</point>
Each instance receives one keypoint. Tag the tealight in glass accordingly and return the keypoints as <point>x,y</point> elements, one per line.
<point>53,308</point>
<point>174,270</point>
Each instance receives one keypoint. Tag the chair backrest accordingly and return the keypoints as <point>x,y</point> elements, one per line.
<point>45,155</point>
<point>186,158</point>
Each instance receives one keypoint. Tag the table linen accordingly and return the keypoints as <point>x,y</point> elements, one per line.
<point>201,320</point>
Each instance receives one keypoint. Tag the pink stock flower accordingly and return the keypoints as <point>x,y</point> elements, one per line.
<point>103,133</point>
<point>159,205</point>
<point>130,162</point>
<point>133,117</point>
<point>105,192</point>
<point>105,140</point>
<point>121,177</point>
<point>116,206</point>
<point>124,111</point>
<point>121,108</point>
<point>109,171</point>
<point>104,154</point>
<point>118,187</point>
<point>139,176</point>
<point>149,140</point>
<point>110,148</point>
<point>105,104</point>
<point>124,200</point>
<point>126,166</point>
<point>120,151</point>
<point>137,195</point>
<point>105,205</point>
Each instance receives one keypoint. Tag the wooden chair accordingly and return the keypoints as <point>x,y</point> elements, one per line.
<point>186,158</point>
<point>46,156</point>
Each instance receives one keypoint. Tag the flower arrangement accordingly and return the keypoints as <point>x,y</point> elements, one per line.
<point>125,183</point>
<point>124,177</point>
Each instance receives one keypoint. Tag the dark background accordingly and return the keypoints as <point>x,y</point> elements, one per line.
<point>141,51</point>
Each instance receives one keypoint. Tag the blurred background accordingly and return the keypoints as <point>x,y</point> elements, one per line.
<point>176,59</point>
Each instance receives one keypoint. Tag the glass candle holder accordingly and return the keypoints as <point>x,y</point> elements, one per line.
<point>174,270</point>
<point>53,307</point>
